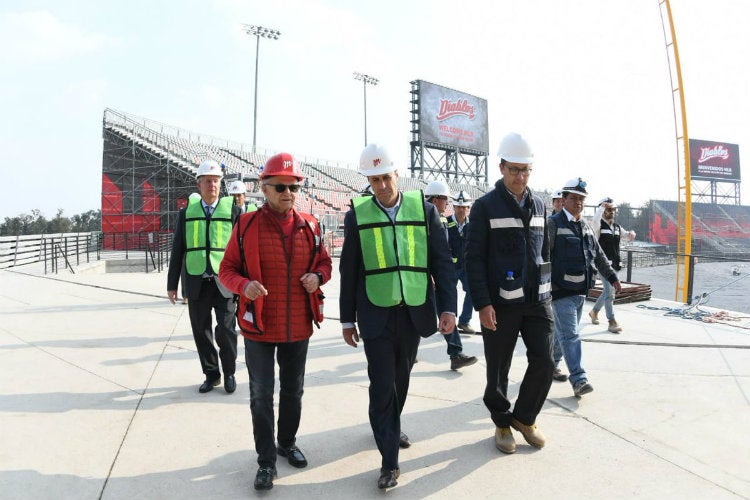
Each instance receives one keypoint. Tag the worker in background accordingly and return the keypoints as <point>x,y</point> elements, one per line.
<point>557,354</point>
<point>575,254</point>
<point>608,233</point>
<point>200,238</point>
<point>238,190</point>
<point>437,193</point>
<point>458,230</point>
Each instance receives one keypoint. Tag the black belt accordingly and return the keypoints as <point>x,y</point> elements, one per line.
<point>209,278</point>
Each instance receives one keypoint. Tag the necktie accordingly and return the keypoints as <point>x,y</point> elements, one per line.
<point>209,210</point>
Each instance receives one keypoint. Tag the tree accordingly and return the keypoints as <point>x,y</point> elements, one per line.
<point>36,223</point>
<point>87,221</point>
<point>59,224</point>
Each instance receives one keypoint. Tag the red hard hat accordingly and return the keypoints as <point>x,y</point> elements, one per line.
<point>282,164</point>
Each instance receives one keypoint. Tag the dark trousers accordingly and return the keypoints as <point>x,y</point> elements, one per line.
<point>259,358</point>
<point>468,308</point>
<point>536,326</point>
<point>454,345</point>
<point>390,357</point>
<point>226,338</point>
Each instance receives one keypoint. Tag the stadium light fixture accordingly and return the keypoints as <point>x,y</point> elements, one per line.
<point>365,79</point>
<point>258,32</point>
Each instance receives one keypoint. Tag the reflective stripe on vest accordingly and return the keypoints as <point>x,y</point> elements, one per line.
<point>512,222</point>
<point>506,223</point>
<point>394,253</point>
<point>536,221</point>
<point>203,238</point>
<point>511,294</point>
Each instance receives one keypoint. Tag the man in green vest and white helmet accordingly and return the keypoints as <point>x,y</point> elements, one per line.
<point>394,261</point>
<point>200,237</point>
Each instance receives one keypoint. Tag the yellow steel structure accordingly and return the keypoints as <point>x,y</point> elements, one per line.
<point>684,208</point>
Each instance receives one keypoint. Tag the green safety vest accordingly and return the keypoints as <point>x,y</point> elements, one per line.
<point>207,240</point>
<point>394,253</point>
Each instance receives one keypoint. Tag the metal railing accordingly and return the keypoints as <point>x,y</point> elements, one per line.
<point>50,248</point>
<point>635,258</point>
<point>69,250</point>
<point>153,247</point>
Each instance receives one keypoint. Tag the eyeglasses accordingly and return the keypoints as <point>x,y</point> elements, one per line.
<point>280,188</point>
<point>441,197</point>
<point>515,170</point>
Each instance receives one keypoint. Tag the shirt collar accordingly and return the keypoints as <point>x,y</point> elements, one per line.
<point>570,216</point>
<point>392,210</point>
<point>513,195</point>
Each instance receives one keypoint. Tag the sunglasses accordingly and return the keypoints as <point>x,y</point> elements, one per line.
<point>280,188</point>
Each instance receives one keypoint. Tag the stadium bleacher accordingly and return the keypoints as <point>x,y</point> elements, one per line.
<point>720,229</point>
<point>328,188</point>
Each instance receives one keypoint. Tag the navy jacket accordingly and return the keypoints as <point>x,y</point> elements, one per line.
<point>575,256</point>
<point>457,241</point>
<point>508,249</point>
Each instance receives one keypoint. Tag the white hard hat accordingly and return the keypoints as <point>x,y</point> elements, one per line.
<point>462,199</point>
<point>237,187</point>
<point>608,201</point>
<point>375,160</point>
<point>210,167</point>
<point>557,194</point>
<point>437,188</point>
<point>515,149</point>
<point>575,185</point>
<point>195,196</point>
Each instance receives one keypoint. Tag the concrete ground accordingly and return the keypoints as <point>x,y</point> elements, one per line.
<point>99,399</point>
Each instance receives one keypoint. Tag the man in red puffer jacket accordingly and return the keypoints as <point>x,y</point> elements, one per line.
<point>275,261</point>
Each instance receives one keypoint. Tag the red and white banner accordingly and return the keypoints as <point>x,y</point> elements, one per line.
<point>452,118</point>
<point>710,160</point>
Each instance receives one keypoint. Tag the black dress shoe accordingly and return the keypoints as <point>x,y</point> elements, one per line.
<point>264,478</point>
<point>230,384</point>
<point>403,441</point>
<point>388,478</point>
<point>294,455</point>
<point>209,384</point>
<point>460,360</point>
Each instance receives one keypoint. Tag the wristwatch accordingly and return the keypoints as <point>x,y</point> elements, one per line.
<point>320,277</point>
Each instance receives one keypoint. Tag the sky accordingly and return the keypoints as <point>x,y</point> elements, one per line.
<point>586,81</point>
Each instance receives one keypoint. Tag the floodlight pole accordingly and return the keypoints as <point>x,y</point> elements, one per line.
<point>258,31</point>
<point>365,79</point>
